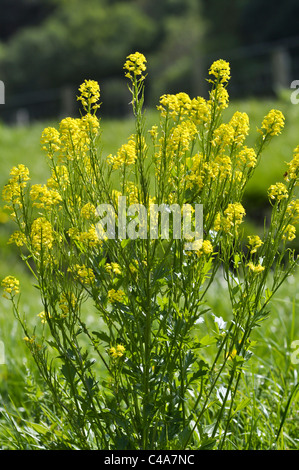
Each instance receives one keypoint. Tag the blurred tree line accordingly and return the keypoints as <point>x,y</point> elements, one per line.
<point>47,44</point>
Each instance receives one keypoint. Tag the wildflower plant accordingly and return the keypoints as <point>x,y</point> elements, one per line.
<point>148,374</point>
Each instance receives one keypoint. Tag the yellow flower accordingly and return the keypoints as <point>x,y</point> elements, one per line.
<point>59,179</point>
<point>117,352</point>
<point>223,136</point>
<point>29,340</point>
<point>232,218</point>
<point>12,191</point>
<point>90,237</point>
<point>126,155</point>
<point>232,355</point>
<point>219,97</point>
<point>43,317</point>
<point>196,175</point>
<point>255,268</point>
<point>48,197</point>
<point>116,296</point>
<point>135,65</point>
<point>90,124</point>
<point>67,303</point>
<point>181,138</point>
<point>240,124</point>
<point>178,105</point>
<point>204,247</point>
<point>11,286</point>
<point>293,166</point>
<point>200,111</point>
<point>278,191</point>
<point>219,168</point>
<point>88,211</point>
<point>83,274</point>
<point>221,71</point>
<point>246,157</point>
<point>254,243</point>
<point>293,211</point>
<point>113,267</point>
<point>50,140</point>
<point>89,94</point>
<point>18,238</point>
<point>153,132</point>
<point>289,233</point>
<point>273,123</point>
<point>42,234</point>
<point>74,140</point>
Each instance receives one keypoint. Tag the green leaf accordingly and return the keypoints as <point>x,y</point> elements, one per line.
<point>125,242</point>
<point>208,443</point>
<point>39,428</point>
<point>208,340</point>
<point>69,372</point>
<point>198,374</point>
<point>241,405</point>
<point>102,336</point>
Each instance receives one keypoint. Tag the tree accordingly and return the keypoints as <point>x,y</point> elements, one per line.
<point>20,14</point>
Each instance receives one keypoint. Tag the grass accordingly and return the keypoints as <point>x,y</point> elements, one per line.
<point>272,419</point>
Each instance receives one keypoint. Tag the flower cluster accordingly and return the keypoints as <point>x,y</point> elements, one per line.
<point>83,274</point>
<point>254,242</point>
<point>60,178</point>
<point>113,268</point>
<point>246,158</point>
<point>278,192</point>
<point>255,268</point>
<point>293,166</point>
<point>42,237</point>
<point>116,295</point>
<point>87,237</point>
<point>88,211</point>
<point>240,124</point>
<point>89,95</point>
<point>221,71</point>
<point>67,303</point>
<point>18,238</point>
<point>11,286</point>
<point>273,123</point>
<point>289,233</point>
<point>126,155</point>
<point>205,248</point>
<point>13,191</point>
<point>45,196</point>
<point>117,352</point>
<point>180,106</point>
<point>135,65</point>
<point>230,221</point>
<point>50,141</point>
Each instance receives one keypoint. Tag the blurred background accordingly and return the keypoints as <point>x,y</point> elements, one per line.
<point>48,47</point>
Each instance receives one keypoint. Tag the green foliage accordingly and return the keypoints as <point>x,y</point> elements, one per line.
<point>155,368</point>
<point>73,42</point>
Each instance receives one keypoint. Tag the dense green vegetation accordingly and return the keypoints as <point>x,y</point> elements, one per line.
<point>49,44</point>
<point>272,373</point>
